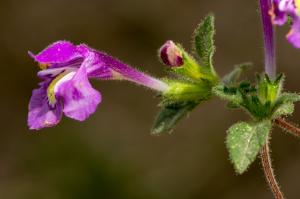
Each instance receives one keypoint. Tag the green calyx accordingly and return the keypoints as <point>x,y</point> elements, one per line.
<point>193,81</point>
<point>180,91</point>
<point>268,90</point>
<point>182,96</point>
<point>192,69</point>
<point>263,100</point>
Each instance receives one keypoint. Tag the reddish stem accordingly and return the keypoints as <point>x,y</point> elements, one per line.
<point>268,171</point>
<point>287,126</point>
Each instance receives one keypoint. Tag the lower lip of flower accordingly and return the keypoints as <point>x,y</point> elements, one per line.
<point>55,83</point>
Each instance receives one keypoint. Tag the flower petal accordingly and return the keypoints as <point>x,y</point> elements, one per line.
<point>41,114</point>
<point>279,17</point>
<point>98,71</point>
<point>294,35</point>
<point>58,52</point>
<point>121,70</point>
<point>80,99</point>
<point>170,54</point>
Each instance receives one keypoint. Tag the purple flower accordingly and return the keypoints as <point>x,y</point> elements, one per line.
<point>170,54</point>
<point>65,87</point>
<point>280,11</point>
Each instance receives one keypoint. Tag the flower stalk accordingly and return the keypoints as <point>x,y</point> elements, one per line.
<point>268,34</point>
<point>287,126</point>
<point>268,170</point>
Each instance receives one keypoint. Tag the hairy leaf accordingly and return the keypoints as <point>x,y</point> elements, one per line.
<point>229,94</point>
<point>204,40</point>
<point>233,77</point>
<point>289,97</point>
<point>284,105</point>
<point>284,110</point>
<point>169,115</point>
<point>244,141</point>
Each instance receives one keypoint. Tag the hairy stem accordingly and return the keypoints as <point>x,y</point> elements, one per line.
<point>287,126</point>
<point>268,33</point>
<point>268,171</point>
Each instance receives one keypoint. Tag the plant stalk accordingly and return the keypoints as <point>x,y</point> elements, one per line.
<point>287,126</point>
<point>268,171</point>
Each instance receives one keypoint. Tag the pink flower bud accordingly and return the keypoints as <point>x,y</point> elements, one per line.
<point>171,54</point>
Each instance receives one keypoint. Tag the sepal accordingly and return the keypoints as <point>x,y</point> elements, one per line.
<point>268,90</point>
<point>179,91</point>
<point>264,100</point>
<point>180,98</point>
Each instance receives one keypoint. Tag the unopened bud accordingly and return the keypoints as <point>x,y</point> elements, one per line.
<point>171,54</point>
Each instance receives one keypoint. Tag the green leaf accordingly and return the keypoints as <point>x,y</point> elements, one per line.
<point>284,110</point>
<point>289,97</point>
<point>232,105</point>
<point>232,77</point>
<point>204,40</point>
<point>231,95</point>
<point>244,141</point>
<point>169,115</point>
<point>284,105</point>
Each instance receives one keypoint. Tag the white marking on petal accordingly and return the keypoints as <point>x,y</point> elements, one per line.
<point>65,78</point>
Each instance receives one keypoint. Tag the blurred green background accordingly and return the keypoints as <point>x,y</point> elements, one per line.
<point>112,155</point>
